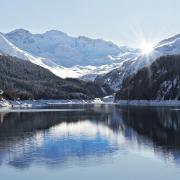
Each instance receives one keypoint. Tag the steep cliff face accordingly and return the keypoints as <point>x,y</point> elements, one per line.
<point>159,81</point>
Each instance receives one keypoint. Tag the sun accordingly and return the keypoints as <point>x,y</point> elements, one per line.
<point>147,48</point>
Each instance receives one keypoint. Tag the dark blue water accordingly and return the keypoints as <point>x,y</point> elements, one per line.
<point>90,142</point>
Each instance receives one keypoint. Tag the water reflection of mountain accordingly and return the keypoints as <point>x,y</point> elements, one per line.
<point>55,138</point>
<point>162,125</point>
<point>52,137</point>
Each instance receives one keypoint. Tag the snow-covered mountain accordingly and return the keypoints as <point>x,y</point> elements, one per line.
<point>7,47</point>
<point>64,50</point>
<point>82,57</point>
<point>130,66</point>
<point>68,56</point>
<point>126,55</point>
<point>169,46</point>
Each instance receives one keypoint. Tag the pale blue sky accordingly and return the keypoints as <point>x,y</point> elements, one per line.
<point>121,21</point>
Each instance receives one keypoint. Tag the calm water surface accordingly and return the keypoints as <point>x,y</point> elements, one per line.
<point>90,142</point>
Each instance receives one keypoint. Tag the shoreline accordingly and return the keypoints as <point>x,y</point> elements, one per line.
<point>45,103</point>
<point>151,103</point>
<point>28,104</point>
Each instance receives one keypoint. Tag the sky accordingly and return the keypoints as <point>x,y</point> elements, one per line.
<point>125,22</point>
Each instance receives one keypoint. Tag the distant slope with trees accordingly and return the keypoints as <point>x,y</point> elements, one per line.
<point>159,81</point>
<point>20,79</point>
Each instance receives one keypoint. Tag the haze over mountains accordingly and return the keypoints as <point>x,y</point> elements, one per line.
<point>82,57</point>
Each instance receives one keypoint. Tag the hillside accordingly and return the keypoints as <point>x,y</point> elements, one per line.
<point>25,80</point>
<point>159,81</point>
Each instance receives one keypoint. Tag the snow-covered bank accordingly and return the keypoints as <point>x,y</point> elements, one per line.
<point>148,102</point>
<point>55,103</point>
<point>47,103</point>
<point>20,104</point>
<point>4,103</point>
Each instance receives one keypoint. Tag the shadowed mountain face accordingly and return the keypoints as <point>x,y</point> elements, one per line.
<point>55,138</point>
<point>159,81</point>
<point>24,80</point>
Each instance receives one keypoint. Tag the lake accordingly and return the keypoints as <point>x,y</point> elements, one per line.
<point>90,142</point>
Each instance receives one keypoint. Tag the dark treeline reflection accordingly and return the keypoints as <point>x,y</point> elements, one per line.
<point>53,138</point>
<point>161,125</point>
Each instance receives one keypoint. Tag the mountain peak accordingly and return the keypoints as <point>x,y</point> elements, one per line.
<point>55,32</point>
<point>20,33</point>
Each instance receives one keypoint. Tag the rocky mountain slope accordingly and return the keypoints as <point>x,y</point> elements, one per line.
<point>25,80</point>
<point>159,81</point>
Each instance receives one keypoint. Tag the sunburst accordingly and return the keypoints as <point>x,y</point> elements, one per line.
<point>147,48</point>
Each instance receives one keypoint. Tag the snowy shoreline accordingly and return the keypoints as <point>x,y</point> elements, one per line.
<point>148,102</point>
<point>55,103</point>
<point>36,103</point>
<point>45,103</point>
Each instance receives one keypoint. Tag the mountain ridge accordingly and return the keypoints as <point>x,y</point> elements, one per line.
<point>60,47</point>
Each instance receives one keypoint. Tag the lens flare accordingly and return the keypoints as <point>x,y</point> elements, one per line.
<point>147,48</point>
